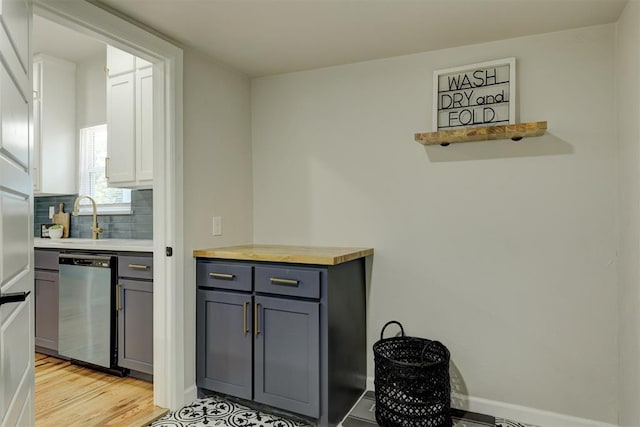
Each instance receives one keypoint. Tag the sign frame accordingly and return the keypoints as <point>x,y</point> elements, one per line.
<point>469,69</point>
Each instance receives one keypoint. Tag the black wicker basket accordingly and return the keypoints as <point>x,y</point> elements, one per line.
<point>411,381</point>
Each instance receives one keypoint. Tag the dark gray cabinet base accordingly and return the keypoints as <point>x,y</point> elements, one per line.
<point>135,322</point>
<point>135,308</point>
<point>46,301</point>
<point>223,342</point>
<point>135,313</point>
<point>287,355</point>
<point>289,336</point>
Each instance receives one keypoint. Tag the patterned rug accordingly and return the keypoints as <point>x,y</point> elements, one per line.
<point>217,411</point>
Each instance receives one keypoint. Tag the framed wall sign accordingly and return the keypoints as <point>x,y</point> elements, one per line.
<point>475,95</point>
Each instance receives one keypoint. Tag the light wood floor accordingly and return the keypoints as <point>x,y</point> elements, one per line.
<point>69,395</point>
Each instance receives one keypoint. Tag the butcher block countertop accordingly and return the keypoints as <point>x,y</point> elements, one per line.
<point>283,253</point>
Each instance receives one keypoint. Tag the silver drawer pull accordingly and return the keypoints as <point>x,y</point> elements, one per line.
<point>139,266</point>
<point>222,276</point>
<point>279,281</point>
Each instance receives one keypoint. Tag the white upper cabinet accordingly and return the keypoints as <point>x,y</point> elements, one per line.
<point>119,62</point>
<point>144,124</point>
<point>129,121</point>
<point>121,138</point>
<point>54,122</point>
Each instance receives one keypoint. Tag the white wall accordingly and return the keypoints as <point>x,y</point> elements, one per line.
<point>91,91</point>
<point>217,169</point>
<point>505,252</point>
<point>628,102</point>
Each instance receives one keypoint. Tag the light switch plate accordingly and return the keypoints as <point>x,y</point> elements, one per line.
<point>217,226</point>
<point>52,211</point>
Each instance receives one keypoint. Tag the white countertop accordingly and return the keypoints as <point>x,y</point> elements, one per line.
<point>100,244</point>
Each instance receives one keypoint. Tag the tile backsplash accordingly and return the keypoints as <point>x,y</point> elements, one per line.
<point>139,225</point>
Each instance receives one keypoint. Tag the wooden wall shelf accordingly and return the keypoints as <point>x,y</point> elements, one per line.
<point>515,132</point>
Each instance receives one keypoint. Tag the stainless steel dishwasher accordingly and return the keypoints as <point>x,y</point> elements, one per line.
<point>86,321</point>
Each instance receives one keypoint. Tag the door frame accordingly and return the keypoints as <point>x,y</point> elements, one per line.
<point>169,389</point>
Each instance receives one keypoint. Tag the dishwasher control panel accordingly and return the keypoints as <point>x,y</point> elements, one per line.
<point>86,260</point>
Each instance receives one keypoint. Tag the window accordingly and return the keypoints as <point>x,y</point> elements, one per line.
<point>92,153</point>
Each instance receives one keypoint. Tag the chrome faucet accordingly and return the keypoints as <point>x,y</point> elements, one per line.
<point>94,228</point>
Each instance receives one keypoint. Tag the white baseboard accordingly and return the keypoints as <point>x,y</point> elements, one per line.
<point>515,412</point>
<point>521,413</point>
<point>190,394</point>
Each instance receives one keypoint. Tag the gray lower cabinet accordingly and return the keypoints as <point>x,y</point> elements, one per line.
<point>135,307</point>
<point>248,350</point>
<point>287,345</point>
<point>135,325</point>
<point>135,312</point>
<point>225,342</point>
<point>46,300</point>
<point>292,337</point>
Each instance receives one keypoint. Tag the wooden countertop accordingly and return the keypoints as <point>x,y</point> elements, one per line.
<point>284,253</point>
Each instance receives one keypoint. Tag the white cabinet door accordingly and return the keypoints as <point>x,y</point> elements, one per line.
<point>121,134</point>
<point>119,62</point>
<point>16,230</point>
<point>54,122</point>
<point>129,121</point>
<point>37,105</point>
<point>144,125</point>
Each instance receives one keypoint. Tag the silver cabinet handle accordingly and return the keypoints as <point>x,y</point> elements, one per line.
<point>118,290</point>
<point>256,322</point>
<point>245,328</point>
<point>107,161</point>
<point>139,266</point>
<point>222,276</point>
<point>279,281</point>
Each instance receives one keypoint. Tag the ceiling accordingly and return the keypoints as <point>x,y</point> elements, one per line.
<point>264,37</point>
<point>56,40</point>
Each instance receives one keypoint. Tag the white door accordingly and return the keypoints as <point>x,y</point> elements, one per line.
<point>16,229</point>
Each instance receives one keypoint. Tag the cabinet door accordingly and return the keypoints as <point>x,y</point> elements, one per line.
<point>37,105</point>
<point>224,342</point>
<point>119,61</point>
<point>46,289</point>
<point>144,126</point>
<point>135,325</point>
<point>37,169</point>
<point>54,125</point>
<point>121,160</point>
<point>287,346</point>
